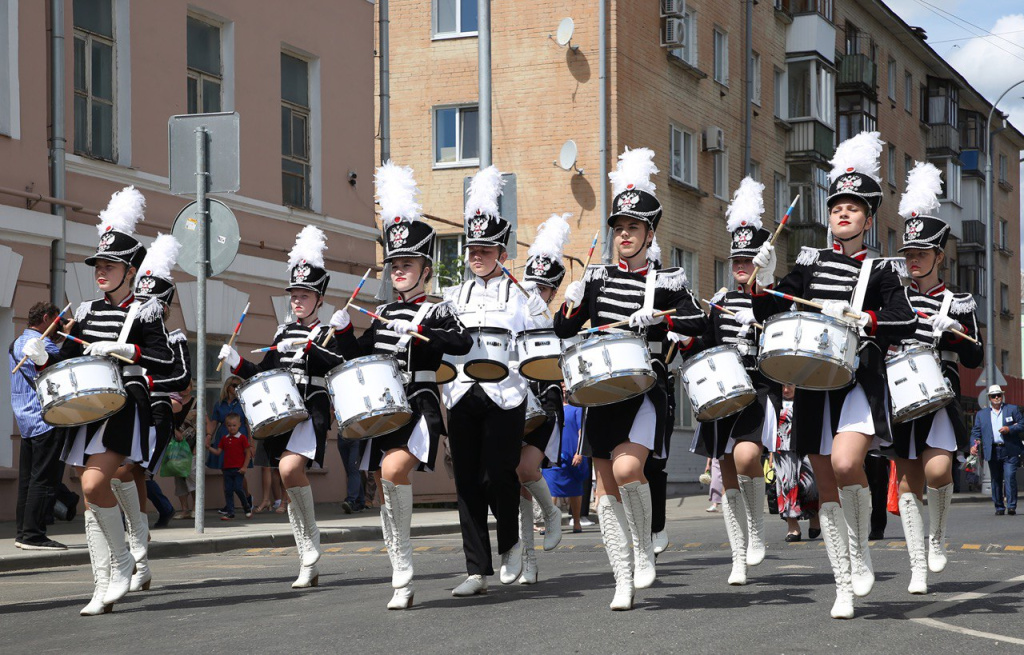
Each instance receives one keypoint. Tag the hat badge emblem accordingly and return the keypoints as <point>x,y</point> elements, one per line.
<point>398,235</point>
<point>914,229</point>
<point>628,200</point>
<point>301,272</point>
<point>743,237</point>
<point>477,226</point>
<point>105,241</point>
<point>849,183</point>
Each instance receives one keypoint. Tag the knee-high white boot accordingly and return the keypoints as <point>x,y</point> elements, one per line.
<point>122,564</point>
<point>615,534</point>
<point>529,574</point>
<point>834,532</point>
<point>309,550</point>
<point>552,515</point>
<point>856,501</point>
<point>138,532</point>
<point>396,521</point>
<point>752,490</point>
<point>99,557</point>
<point>734,512</point>
<point>913,532</point>
<point>938,509</point>
<point>636,500</point>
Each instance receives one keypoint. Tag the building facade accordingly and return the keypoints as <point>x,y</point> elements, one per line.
<point>301,79</point>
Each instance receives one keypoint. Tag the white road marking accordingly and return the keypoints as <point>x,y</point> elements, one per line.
<point>922,615</point>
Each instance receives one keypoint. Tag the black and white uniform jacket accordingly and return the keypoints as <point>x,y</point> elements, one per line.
<point>162,387</point>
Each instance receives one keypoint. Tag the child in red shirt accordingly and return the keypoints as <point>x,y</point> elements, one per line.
<point>235,447</point>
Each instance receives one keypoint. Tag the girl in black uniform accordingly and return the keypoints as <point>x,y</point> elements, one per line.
<point>299,351</point>
<point>924,448</point>
<point>408,253</point>
<point>113,325</point>
<point>622,435</point>
<point>738,440</point>
<point>836,429</point>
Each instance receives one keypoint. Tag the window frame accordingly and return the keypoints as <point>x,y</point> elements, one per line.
<point>891,160</point>
<point>755,66</point>
<point>780,84</point>
<point>821,91</point>
<point>891,71</point>
<point>908,91</point>
<point>720,174</point>
<point>89,38</point>
<point>459,162</point>
<point>435,35</point>
<point>689,173</point>
<point>306,113</point>
<point>689,261</point>
<point>781,191</point>
<point>203,76</point>
<point>689,53</point>
<point>10,83</point>
<point>720,57</point>
<point>440,282</point>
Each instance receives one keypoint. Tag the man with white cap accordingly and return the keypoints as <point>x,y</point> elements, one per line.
<point>998,429</point>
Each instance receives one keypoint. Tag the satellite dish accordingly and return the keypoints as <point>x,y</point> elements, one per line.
<point>567,157</point>
<point>563,35</point>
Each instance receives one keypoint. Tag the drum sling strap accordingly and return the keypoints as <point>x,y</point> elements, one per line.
<point>947,302</point>
<point>403,342</point>
<point>862,285</point>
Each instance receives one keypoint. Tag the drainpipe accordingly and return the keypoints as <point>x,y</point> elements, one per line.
<point>602,112</point>
<point>58,173</point>
<point>748,86</point>
<point>484,79</point>
<point>385,82</point>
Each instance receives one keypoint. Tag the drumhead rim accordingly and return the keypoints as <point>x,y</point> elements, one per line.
<point>68,363</point>
<point>602,338</point>
<point>361,359</point>
<point>301,414</point>
<point>814,317</point>
<point>702,355</point>
<point>373,414</point>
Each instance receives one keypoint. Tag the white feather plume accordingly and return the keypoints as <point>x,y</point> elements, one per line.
<point>859,153</point>
<point>654,251</point>
<point>552,235</point>
<point>484,189</point>
<point>924,184</point>
<point>636,167</point>
<point>310,246</point>
<point>161,256</point>
<point>747,206</point>
<point>396,193</point>
<point>125,209</point>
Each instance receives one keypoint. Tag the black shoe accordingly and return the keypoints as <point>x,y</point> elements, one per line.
<point>1011,512</point>
<point>813,533</point>
<point>876,535</point>
<point>1000,512</point>
<point>793,537</point>
<point>163,521</point>
<point>222,510</point>
<point>49,544</point>
<point>346,507</point>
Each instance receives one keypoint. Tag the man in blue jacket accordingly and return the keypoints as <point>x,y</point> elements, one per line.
<point>998,429</point>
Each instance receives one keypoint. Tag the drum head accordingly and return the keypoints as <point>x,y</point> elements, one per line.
<point>922,408</point>
<point>612,390</point>
<point>84,409</point>
<point>446,373</point>
<point>278,426</point>
<point>534,424</point>
<point>806,372</point>
<point>726,407</point>
<point>485,370</point>
<point>542,369</point>
<point>369,426</point>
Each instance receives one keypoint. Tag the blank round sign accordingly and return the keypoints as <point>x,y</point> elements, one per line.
<point>223,237</point>
<point>565,29</point>
<point>567,156</point>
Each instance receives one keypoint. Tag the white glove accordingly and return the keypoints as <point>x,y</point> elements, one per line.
<point>341,320</point>
<point>529,285</point>
<point>229,356</point>
<point>402,326</point>
<point>745,317</point>
<point>766,274</point>
<point>107,348</point>
<point>743,331</point>
<point>837,309</point>
<point>294,344</point>
<point>536,304</point>
<point>681,339</point>
<point>942,323</point>
<point>645,318</point>
<point>574,293</point>
<point>765,257</point>
<point>35,349</point>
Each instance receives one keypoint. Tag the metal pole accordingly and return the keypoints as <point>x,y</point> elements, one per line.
<point>58,174</point>
<point>748,86</point>
<point>203,261</point>
<point>602,130</point>
<point>385,81</point>
<point>484,75</point>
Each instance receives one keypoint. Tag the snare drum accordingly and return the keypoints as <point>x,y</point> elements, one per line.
<point>809,350</point>
<point>607,368</point>
<point>535,414</point>
<point>80,390</point>
<point>539,351</point>
<point>916,384</point>
<point>368,396</point>
<point>271,403</point>
<point>487,360</point>
<point>717,383</point>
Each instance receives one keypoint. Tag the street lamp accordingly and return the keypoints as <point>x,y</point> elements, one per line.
<point>990,345</point>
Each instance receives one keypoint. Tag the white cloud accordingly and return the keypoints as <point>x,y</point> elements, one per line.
<point>992,64</point>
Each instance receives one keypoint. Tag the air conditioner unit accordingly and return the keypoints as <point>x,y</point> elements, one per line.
<point>673,8</point>
<point>714,139</point>
<point>673,34</point>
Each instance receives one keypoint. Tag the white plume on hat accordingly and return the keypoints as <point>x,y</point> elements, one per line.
<point>484,189</point>
<point>161,256</point>
<point>125,209</point>
<point>634,171</point>
<point>396,193</point>
<point>746,207</point>
<point>654,251</point>
<point>309,246</point>
<point>859,154</point>
<point>552,235</point>
<point>924,184</point>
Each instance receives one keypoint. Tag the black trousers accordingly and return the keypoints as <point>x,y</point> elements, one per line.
<point>877,470</point>
<point>657,478</point>
<point>39,471</point>
<point>485,442</point>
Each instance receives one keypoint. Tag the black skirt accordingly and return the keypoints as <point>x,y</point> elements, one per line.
<point>426,407</point>
<point>608,426</point>
<point>712,437</point>
<point>319,408</point>
<point>918,430</point>
<point>119,433</point>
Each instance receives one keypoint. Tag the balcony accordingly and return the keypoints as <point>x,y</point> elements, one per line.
<point>810,140</point>
<point>811,33</point>
<point>973,236</point>
<point>972,162</point>
<point>943,139</point>
<point>857,73</point>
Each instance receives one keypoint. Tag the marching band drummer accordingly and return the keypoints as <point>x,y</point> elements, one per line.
<point>408,259</point>
<point>837,428</point>
<point>623,434</point>
<point>486,419</point>
<point>155,290</point>
<point>114,326</point>
<point>737,440</point>
<point>544,272</point>
<point>924,448</point>
<point>296,348</point>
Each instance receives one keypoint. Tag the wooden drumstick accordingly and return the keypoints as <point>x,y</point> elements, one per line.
<point>727,311</point>
<point>231,339</point>
<point>958,333</point>
<point>389,321</point>
<point>753,276</point>
<point>86,343</point>
<point>49,330</point>
<point>330,333</point>
<point>602,328</point>
<point>526,294</point>
<point>593,244</point>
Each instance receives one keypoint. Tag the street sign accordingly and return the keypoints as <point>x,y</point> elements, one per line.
<point>224,237</point>
<point>222,149</point>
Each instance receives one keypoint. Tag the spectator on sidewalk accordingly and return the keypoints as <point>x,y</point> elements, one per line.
<point>234,446</point>
<point>183,407</point>
<point>716,489</point>
<point>228,404</point>
<point>39,466</point>
<point>998,429</point>
<point>794,478</point>
<point>355,498</point>
<point>565,479</point>
<point>156,497</point>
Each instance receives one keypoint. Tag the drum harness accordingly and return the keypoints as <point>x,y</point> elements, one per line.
<point>408,375</point>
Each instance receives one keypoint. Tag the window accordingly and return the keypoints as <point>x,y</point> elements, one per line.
<point>755,170</point>
<point>952,274</point>
<point>721,50</point>
<point>684,156</point>
<point>205,76</point>
<point>890,172</point>
<point>723,274</point>
<point>94,78</point>
<point>892,78</point>
<point>755,64</point>
<point>688,52</point>
<point>10,96</point>
<point>871,236</point>
<point>811,182</point>
<point>853,39</point>
<point>908,165</point>
<point>943,102</point>
<point>454,18</point>
<point>857,113</point>
<point>908,92</point>
<point>687,261</point>
<point>890,243</point>
<point>456,136</point>
<point>1002,169</point>
<point>721,181</point>
<point>1004,231</point>
<point>782,199</point>
<point>450,263</point>
<point>1004,361</point>
<point>295,132</point>
<point>812,88</point>
<point>821,7</point>
<point>971,274</point>
<point>950,179</point>
<point>781,94</point>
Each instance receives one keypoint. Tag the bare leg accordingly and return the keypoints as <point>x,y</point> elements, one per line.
<point>575,504</point>
<point>910,473</point>
<point>938,467</point>
<point>397,465</point>
<point>293,470</point>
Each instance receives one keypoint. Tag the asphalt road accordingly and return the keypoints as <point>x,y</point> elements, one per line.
<point>241,600</point>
